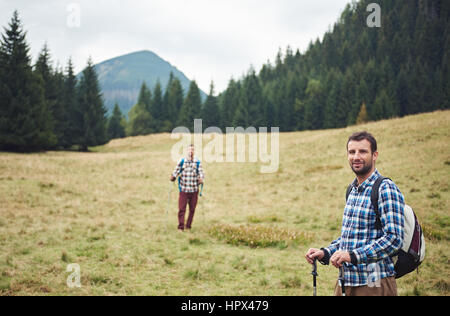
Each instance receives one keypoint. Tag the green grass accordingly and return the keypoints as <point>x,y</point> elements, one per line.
<point>106,211</point>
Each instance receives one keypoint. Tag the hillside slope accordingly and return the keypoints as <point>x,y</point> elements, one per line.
<point>113,212</point>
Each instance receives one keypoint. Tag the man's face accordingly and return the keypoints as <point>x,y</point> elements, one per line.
<point>191,151</point>
<point>360,157</point>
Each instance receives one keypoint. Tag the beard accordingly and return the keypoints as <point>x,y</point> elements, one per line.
<point>365,169</point>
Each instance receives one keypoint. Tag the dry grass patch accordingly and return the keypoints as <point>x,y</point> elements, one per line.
<point>259,236</point>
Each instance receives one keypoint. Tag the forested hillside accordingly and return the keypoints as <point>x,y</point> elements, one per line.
<point>354,73</point>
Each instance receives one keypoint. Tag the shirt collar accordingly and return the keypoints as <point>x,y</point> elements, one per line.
<point>368,182</point>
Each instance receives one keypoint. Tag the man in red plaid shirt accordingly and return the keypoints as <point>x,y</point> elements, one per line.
<point>191,175</point>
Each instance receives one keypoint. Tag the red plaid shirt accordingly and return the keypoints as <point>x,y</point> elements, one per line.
<point>189,174</point>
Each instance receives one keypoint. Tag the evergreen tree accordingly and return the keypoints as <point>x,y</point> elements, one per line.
<point>26,122</point>
<point>314,106</point>
<point>53,84</point>
<point>401,86</point>
<point>269,112</point>
<point>175,97</point>
<point>44,68</point>
<point>145,97</point>
<point>279,99</point>
<point>360,98</point>
<point>344,104</point>
<point>241,118</point>
<point>299,114</point>
<point>60,111</point>
<point>266,73</point>
<point>362,116</point>
<point>229,102</point>
<point>157,103</point>
<point>252,99</point>
<point>191,107</point>
<point>417,86</point>
<point>295,89</point>
<point>165,114</point>
<point>210,111</point>
<point>140,122</point>
<point>334,82</point>
<point>93,132</point>
<point>398,69</point>
<point>74,115</point>
<point>115,128</point>
<point>382,107</point>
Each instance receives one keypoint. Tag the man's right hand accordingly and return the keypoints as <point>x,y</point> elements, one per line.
<point>172,178</point>
<point>313,254</point>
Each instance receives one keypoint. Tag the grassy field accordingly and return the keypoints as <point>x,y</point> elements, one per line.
<point>106,212</point>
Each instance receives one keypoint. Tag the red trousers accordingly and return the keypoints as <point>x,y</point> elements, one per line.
<point>186,198</point>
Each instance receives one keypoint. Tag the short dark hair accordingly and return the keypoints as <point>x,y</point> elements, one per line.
<point>359,136</point>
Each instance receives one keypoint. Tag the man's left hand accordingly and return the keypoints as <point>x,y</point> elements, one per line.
<point>339,257</point>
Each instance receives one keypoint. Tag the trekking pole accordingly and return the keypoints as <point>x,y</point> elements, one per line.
<point>342,279</point>
<point>315,275</point>
<point>201,190</point>
<point>202,205</point>
<point>168,207</point>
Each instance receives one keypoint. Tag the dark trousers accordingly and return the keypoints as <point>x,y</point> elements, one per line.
<point>183,201</point>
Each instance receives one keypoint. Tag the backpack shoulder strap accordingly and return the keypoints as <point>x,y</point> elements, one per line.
<point>374,195</point>
<point>349,190</point>
<point>181,170</point>
<point>181,163</point>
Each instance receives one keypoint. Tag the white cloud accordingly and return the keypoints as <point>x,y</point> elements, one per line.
<point>206,39</point>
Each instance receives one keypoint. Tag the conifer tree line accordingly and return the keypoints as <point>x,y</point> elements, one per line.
<point>42,107</point>
<point>47,108</point>
<point>160,112</point>
<point>354,74</point>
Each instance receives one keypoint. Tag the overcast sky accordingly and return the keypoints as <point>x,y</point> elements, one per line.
<point>206,39</point>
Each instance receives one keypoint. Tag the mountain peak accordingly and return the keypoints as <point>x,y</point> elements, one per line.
<point>121,77</point>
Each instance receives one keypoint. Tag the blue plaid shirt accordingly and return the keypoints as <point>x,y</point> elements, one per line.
<point>370,247</point>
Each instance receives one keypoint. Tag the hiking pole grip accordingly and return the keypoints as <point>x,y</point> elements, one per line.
<point>314,274</point>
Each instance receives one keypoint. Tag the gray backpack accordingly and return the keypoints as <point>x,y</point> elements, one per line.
<point>412,253</point>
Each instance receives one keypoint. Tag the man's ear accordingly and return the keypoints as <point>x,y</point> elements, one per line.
<point>375,156</point>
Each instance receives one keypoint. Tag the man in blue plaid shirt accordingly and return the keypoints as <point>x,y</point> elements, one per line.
<point>363,250</point>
